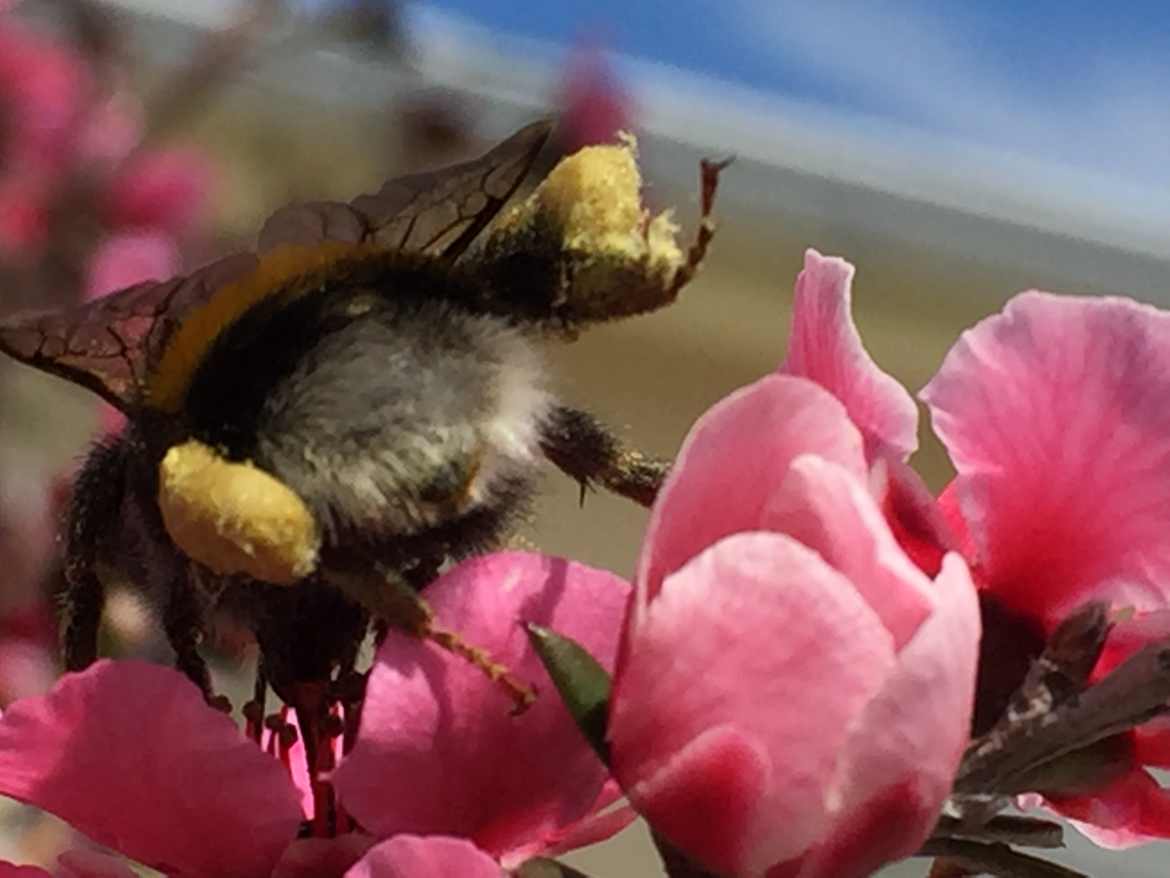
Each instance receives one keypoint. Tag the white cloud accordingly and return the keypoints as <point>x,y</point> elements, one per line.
<point>913,60</point>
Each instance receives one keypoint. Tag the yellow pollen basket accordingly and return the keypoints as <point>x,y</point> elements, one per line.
<point>235,518</point>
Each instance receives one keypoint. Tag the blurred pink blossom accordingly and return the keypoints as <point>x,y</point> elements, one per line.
<point>163,190</point>
<point>63,137</point>
<point>594,105</point>
<point>784,662</point>
<point>43,89</point>
<point>126,259</point>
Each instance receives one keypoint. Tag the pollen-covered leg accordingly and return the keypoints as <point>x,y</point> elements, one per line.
<point>94,519</point>
<point>583,248</point>
<point>584,448</point>
<point>394,602</point>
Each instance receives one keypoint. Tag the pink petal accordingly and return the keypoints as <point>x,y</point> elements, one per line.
<point>435,727</point>
<point>589,830</point>
<point>918,521</point>
<point>1056,414</point>
<point>124,260</point>
<point>731,463</point>
<point>129,754</point>
<point>596,826</point>
<point>1129,636</point>
<point>82,863</point>
<point>735,699</point>
<point>1132,811</point>
<point>436,856</point>
<point>26,668</point>
<point>904,748</point>
<point>9,870</point>
<point>825,347</point>
<point>825,507</point>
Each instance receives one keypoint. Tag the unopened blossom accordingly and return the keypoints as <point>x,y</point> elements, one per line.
<point>129,754</point>
<point>1056,414</point>
<point>793,693</point>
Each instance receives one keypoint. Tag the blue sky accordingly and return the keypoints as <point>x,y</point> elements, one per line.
<point>1084,83</point>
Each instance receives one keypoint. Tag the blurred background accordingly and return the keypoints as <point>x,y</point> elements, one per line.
<point>956,152</point>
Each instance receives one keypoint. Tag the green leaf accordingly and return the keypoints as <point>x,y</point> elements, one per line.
<point>583,683</point>
<point>544,868</point>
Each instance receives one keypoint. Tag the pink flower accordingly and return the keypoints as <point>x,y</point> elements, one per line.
<point>128,753</point>
<point>43,88</point>
<point>594,106</point>
<point>793,693</point>
<point>164,190</point>
<point>24,217</point>
<point>517,786</point>
<point>1056,414</point>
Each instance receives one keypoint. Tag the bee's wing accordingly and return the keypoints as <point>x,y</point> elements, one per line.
<point>104,345</point>
<point>107,345</point>
<point>438,213</point>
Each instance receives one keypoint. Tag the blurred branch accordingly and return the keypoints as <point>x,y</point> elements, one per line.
<point>223,54</point>
<point>1023,831</point>
<point>962,857</point>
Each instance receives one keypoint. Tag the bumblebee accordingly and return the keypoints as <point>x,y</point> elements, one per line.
<point>317,427</point>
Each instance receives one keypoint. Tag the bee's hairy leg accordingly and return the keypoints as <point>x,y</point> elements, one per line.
<point>183,623</point>
<point>395,603</point>
<point>92,522</point>
<point>582,447</point>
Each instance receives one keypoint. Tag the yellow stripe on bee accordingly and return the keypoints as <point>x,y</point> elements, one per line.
<point>167,385</point>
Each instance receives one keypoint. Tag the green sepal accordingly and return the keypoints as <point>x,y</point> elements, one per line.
<point>584,685</point>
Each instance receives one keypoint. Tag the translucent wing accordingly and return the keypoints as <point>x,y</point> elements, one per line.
<point>438,213</point>
<point>109,344</point>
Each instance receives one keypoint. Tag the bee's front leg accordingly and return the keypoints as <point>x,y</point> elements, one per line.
<point>92,523</point>
<point>584,448</point>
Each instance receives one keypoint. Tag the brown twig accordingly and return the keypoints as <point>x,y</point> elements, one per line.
<point>1034,722</point>
<point>977,858</point>
<point>1022,831</point>
<point>1010,759</point>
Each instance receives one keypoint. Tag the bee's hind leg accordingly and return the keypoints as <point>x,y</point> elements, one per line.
<point>183,621</point>
<point>582,447</point>
<point>92,522</point>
